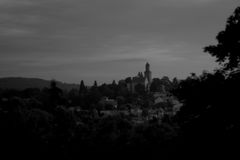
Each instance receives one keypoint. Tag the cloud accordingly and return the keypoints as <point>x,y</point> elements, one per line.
<point>182,2</point>
<point>15,32</point>
<point>192,1</point>
<point>40,35</point>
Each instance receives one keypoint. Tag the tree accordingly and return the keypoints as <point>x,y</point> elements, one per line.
<point>122,90</point>
<point>55,93</point>
<point>175,82</point>
<point>82,88</point>
<point>128,80</point>
<point>156,85</point>
<point>95,84</point>
<point>166,83</point>
<point>94,94</point>
<point>227,51</point>
<point>106,90</point>
<point>114,83</point>
<point>140,89</point>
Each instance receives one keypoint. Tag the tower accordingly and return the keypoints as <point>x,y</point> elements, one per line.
<point>148,73</point>
<point>148,76</point>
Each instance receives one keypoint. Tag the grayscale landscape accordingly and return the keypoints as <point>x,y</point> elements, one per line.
<point>119,79</point>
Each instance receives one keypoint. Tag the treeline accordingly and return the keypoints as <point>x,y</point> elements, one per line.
<point>40,122</point>
<point>31,129</point>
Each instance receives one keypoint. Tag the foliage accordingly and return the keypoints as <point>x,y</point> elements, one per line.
<point>227,49</point>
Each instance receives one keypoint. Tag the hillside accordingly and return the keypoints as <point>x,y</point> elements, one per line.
<point>20,83</point>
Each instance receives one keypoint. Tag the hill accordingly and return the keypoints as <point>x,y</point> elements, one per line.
<point>21,83</point>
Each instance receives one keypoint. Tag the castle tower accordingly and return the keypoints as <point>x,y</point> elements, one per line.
<point>148,76</point>
<point>148,73</point>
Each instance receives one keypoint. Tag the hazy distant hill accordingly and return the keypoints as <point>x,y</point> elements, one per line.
<point>23,83</point>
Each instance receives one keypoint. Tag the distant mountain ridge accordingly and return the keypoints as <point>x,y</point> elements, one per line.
<point>21,83</point>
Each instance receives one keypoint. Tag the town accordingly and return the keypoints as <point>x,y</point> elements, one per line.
<point>192,116</point>
<point>140,97</point>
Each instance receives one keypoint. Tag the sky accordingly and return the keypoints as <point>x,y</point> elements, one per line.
<point>106,40</point>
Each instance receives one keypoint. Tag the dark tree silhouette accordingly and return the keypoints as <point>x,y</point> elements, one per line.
<point>140,89</point>
<point>175,83</point>
<point>210,104</point>
<point>156,85</point>
<point>82,89</point>
<point>114,83</point>
<point>95,84</point>
<point>94,95</point>
<point>128,80</point>
<point>228,47</point>
<point>55,93</point>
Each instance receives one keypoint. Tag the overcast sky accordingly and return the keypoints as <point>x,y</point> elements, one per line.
<point>71,40</point>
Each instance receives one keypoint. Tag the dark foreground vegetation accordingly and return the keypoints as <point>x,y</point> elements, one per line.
<point>40,123</point>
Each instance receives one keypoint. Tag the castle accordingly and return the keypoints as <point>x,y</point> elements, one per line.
<point>141,79</point>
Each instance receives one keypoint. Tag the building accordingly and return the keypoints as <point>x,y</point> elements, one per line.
<point>110,103</point>
<point>141,79</point>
